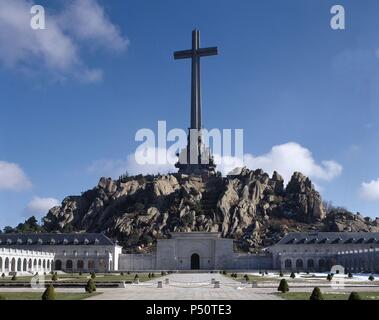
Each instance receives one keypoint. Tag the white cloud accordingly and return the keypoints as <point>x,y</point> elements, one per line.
<point>286,159</point>
<point>41,205</point>
<point>57,49</point>
<point>290,157</point>
<point>96,28</point>
<point>12,177</point>
<point>370,190</point>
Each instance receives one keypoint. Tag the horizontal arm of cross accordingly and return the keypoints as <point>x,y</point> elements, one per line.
<point>202,52</point>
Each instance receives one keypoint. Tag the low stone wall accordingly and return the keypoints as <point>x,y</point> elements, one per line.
<point>137,262</point>
<point>251,262</point>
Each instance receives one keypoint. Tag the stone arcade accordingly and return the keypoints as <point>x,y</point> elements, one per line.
<point>314,251</point>
<point>71,252</point>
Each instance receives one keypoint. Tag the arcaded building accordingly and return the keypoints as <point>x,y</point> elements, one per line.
<point>307,252</point>
<point>16,261</point>
<point>319,251</point>
<point>73,252</point>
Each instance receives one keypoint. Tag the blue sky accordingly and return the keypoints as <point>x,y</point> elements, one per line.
<point>71,104</point>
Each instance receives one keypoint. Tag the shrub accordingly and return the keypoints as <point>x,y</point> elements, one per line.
<point>14,277</point>
<point>350,275</point>
<point>316,294</point>
<point>3,275</point>
<point>163,273</point>
<point>371,278</point>
<point>153,275</point>
<point>93,275</point>
<point>49,293</point>
<point>246,277</point>
<point>90,286</point>
<point>354,296</point>
<point>293,276</point>
<point>283,286</point>
<point>329,277</point>
<point>149,275</point>
<point>128,272</point>
<point>136,276</point>
<point>281,274</point>
<point>54,277</point>
<point>224,272</point>
<point>80,273</point>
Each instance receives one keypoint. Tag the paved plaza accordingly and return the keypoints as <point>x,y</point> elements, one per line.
<point>187,286</point>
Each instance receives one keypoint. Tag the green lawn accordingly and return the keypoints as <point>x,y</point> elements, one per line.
<point>328,296</point>
<point>37,295</point>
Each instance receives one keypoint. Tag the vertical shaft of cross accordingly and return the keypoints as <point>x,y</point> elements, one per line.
<point>195,83</point>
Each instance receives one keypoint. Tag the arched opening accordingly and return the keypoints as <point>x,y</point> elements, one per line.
<point>48,264</point>
<point>91,265</point>
<point>25,265</point>
<point>58,265</point>
<point>1,263</point>
<point>39,264</point>
<point>44,264</point>
<point>321,264</point>
<point>13,264</point>
<point>69,265</point>
<point>30,264</point>
<point>19,264</point>
<point>80,265</point>
<point>6,264</point>
<point>310,264</point>
<point>288,264</point>
<point>102,265</point>
<point>299,264</point>
<point>195,262</point>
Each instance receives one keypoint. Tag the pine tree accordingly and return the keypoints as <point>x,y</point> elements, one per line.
<point>49,293</point>
<point>354,296</point>
<point>93,275</point>
<point>90,286</point>
<point>316,294</point>
<point>283,286</point>
<point>281,274</point>
<point>371,278</point>
<point>293,276</point>
<point>14,278</point>
<point>350,275</point>
<point>329,277</point>
<point>54,277</point>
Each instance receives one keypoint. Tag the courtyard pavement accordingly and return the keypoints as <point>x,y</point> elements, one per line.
<point>186,286</point>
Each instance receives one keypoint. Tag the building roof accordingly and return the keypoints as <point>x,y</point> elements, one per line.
<point>196,235</point>
<point>330,238</point>
<point>55,239</point>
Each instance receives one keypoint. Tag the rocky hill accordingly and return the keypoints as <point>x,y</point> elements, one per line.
<point>250,206</point>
